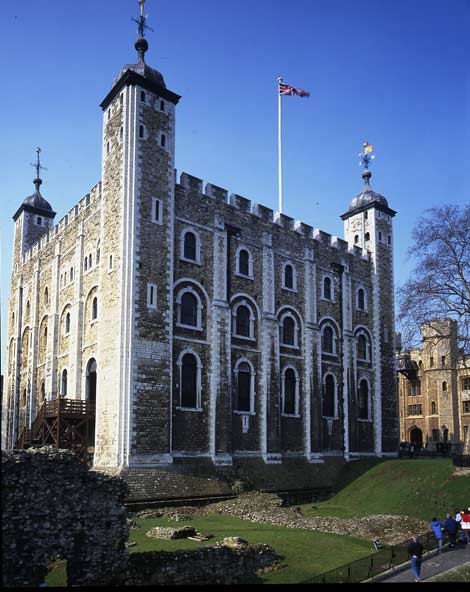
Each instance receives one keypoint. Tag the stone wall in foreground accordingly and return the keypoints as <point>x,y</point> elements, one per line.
<point>53,507</point>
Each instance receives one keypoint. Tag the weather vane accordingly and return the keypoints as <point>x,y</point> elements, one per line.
<point>37,165</point>
<point>141,21</point>
<point>366,155</point>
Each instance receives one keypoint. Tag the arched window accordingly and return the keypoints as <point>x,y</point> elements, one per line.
<point>244,262</point>
<point>189,306</point>
<point>289,332</point>
<point>363,411</point>
<point>71,274</point>
<point>367,237</point>
<point>189,250</point>
<point>244,388</point>
<point>189,381</point>
<point>28,310</point>
<point>94,309</point>
<point>356,239</point>
<point>242,323</point>
<point>67,323</point>
<point>328,341</point>
<point>327,290</point>
<point>42,393</point>
<point>46,296</point>
<point>290,392</point>
<point>433,408</point>
<point>63,383</point>
<point>90,261</point>
<point>85,264</point>
<point>361,299</point>
<point>444,386</point>
<point>90,391</point>
<point>362,347</point>
<point>329,396</point>
<point>289,277</point>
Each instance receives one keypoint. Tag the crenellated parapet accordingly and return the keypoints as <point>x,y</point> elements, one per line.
<point>222,196</point>
<point>55,232</point>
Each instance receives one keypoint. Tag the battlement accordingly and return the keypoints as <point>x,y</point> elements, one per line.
<point>192,184</point>
<point>57,229</point>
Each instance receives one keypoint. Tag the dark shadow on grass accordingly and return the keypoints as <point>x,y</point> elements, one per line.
<point>353,470</point>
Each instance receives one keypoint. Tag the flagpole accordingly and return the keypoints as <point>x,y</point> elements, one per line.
<point>279,80</point>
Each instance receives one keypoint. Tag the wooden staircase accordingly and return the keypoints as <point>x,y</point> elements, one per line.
<point>63,423</point>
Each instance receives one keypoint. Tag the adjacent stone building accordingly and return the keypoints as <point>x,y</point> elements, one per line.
<point>204,326</point>
<point>434,389</point>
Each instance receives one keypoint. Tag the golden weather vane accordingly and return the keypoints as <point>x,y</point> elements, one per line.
<point>366,155</point>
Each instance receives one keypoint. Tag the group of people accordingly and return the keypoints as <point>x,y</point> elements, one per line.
<point>412,449</point>
<point>457,524</point>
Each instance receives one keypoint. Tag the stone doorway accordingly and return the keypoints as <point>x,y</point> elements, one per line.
<point>416,437</point>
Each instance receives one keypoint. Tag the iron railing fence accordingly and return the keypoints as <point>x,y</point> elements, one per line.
<point>372,565</point>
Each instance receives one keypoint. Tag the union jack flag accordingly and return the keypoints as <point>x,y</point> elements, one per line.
<point>285,89</point>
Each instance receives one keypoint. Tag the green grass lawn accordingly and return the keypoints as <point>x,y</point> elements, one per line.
<point>304,552</point>
<point>410,487</point>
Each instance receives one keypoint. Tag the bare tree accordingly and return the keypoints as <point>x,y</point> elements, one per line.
<point>439,285</point>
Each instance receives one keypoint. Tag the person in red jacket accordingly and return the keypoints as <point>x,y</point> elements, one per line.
<point>465,525</point>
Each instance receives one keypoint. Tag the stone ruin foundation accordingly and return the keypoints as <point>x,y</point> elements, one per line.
<point>55,508</point>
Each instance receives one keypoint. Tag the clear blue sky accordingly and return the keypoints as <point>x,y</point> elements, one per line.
<point>394,72</point>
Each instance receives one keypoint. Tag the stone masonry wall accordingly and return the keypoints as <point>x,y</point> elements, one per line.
<point>53,507</point>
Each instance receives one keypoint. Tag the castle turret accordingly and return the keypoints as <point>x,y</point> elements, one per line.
<point>33,218</point>
<point>134,351</point>
<point>368,224</point>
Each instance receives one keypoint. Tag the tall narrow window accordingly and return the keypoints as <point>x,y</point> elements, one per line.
<point>289,277</point>
<point>288,331</point>
<point>162,105</point>
<point>244,262</point>
<point>362,348</point>
<point>151,295</point>
<point>189,381</point>
<point>94,309</point>
<point>290,393</point>
<point>121,134</point>
<point>190,246</point>
<point>244,388</point>
<point>444,386</point>
<point>242,327</point>
<point>443,360</point>
<point>431,362</point>
<point>361,299</point>
<point>189,309</point>
<point>63,388</point>
<point>67,323</point>
<point>156,211</point>
<point>367,237</point>
<point>141,131</point>
<point>46,296</point>
<point>142,96</point>
<point>327,292</point>
<point>42,393</point>
<point>163,141</point>
<point>328,345</point>
<point>433,408</point>
<point>363,411</point>
<point>329,396</point>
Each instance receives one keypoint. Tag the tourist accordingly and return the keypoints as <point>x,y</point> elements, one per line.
<point>458,519</point>
<point>465,515</point>
<point>415,552</point>
<point>451,525</point>
<point>438,529</point>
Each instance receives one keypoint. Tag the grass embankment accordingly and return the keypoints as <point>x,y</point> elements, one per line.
<point>407,487</point>
<point>304,552</point>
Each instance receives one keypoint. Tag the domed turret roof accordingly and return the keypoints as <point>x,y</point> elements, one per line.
<point>36,203</point>
<point>36,200</point>
<point>141,68</point>
<point>367,197</point>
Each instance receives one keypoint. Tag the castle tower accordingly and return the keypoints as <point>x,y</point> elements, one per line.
<point>134,359</point>
<point>368,225</point>
<point>33,219</point>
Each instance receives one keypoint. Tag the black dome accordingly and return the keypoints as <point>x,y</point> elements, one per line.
<point>367,196</point>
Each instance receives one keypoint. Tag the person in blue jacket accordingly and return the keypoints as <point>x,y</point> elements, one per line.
<point>438,529</point>
<point>451,525</point>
